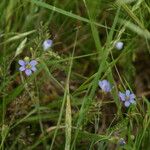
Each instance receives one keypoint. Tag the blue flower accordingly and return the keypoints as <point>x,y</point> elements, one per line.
<point>127,97</point>
<point>122,142</point>
<point>105,85</point>
<point>119,45</point>
<point>27,66</point>
<point>47,44</point>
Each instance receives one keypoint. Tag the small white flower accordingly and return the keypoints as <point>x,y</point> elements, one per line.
<point>119,45</point>
<point>47,44</point>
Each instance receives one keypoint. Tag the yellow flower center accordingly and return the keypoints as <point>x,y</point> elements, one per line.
<point>28,66</point>
<point>127,98</point>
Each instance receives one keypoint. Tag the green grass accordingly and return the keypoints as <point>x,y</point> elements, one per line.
<point>61,106</point>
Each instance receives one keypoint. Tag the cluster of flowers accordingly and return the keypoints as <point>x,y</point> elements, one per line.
<point>127,97</point>
<point>29,66</point>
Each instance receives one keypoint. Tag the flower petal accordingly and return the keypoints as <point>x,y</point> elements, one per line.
<point>33,62</point>
<point>100,84</point>
<point>33,69</point>
<point>119,45</point>
<point>122,96</point>
<point>132,96</point>
<point>105,85</point>
<point>107,88</point>
<point>127,103</point>
<point>47,44</point>
<point>22,68</point>
<point>28,72</point>
<point>127,93</point>
<point>21,62</point>
<point>132,101</point>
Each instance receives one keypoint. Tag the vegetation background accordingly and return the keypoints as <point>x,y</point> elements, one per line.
<point>60,106</point>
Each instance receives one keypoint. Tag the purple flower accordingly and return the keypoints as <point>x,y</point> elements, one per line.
<point>47,44</point>
<point>27,66</point>
<point>119,45</point>
<point>127,97</point>
<point>105,85</point>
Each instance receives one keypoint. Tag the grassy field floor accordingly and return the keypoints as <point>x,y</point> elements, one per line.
<point>74,75</point>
